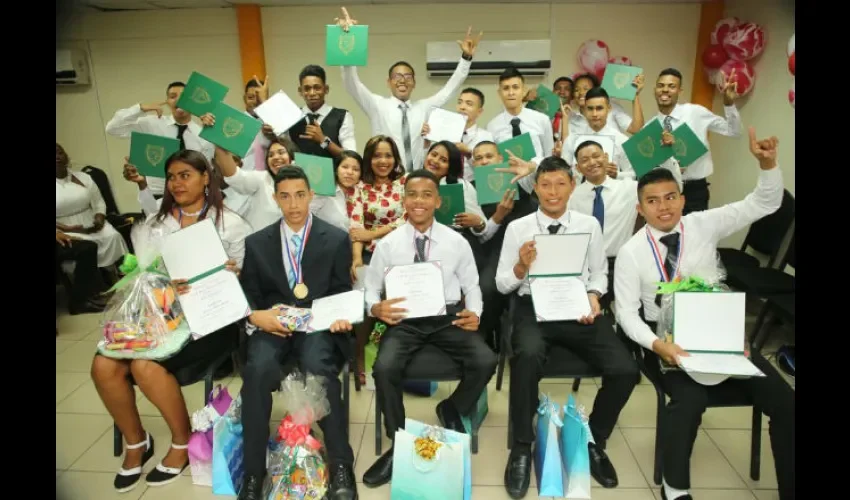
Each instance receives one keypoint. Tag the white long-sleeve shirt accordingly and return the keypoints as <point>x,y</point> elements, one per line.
<point>636,273</point>
<point>574,140</point>
<point>702,121</point>
<point>538,127</point>
<point>346,130</point>
<point>385,116</point>
<point>133,119</point>
<point>471,137</point>
<point>618,118</point>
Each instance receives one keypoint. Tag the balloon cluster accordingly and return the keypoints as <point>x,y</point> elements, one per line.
<point>733,46</point>
<point>593,56</point>
<point>792,67</point>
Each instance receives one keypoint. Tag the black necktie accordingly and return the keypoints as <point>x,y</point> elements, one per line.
<point>181,129</point>
<point>671,241</point>
<point>314,118</point>
<point>553,229</point>
<point>515,131</point>
<point>420,249</point>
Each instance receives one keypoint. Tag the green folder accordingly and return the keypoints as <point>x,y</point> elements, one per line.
<point>346,48</point>
<point>644,149</point>
<point>148,153</point>
<point>233,130</point>
<point>618,81</point>
<point>688,147</point>
<point>547,102</point>
<point>491,185</point>
<point>452,203</point>
<point>320,171</point>
<point>521,146</point>
<point>201,95</point>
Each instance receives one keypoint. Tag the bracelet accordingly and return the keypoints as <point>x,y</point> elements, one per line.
<point>466,57</point>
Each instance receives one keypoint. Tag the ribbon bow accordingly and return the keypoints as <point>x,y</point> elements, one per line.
<point>549,409</point>
<point>295,435</point>
<point>691,284</point>
<point>130,268</point>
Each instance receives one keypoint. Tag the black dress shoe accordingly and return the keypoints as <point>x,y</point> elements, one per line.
<point>518,471</point>
<point>380,472</point>
<point>342,485</point>
<point>601,467</point>
<point>252,488</point>
<point>449,417</point>
<point>664,496</point>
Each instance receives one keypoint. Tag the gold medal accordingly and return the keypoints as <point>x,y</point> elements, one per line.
<point>300,291</point>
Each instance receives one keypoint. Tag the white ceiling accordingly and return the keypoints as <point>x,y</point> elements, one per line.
<point>194,4</point>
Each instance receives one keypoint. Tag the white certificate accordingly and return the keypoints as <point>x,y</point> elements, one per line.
<point>421,286</point>
<point>736,365</point>
<point>710,321</point>
<point>445,125</point>
<point>560,254</point>
<point>280,112</point>
<point>559,298</point>
<point>215,298</point>
<point>347,306</point>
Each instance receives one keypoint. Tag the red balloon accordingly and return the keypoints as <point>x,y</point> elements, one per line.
<point>744,75</point>
<point>714,56</point>
<point>792,63</point>
<point>744,42</point>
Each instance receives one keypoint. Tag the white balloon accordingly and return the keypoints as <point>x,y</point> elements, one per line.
<point>791,45</point>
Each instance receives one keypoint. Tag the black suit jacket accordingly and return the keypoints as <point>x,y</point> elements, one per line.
<point>326,264</point>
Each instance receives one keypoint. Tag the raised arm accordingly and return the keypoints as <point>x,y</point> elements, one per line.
<point>637,120</point>
<point>451,88</point>
<point>731,125</point>
<point>131,119</point>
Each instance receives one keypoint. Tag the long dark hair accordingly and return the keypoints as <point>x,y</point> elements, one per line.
<point>455,161</point>
<point>286,142</point>
<point>347,153</point>
<point>367,175</point>
<point>214,197</point>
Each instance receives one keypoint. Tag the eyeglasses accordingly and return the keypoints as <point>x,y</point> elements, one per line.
<point>398,77</point>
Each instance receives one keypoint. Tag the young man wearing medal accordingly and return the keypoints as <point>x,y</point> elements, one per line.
<point>422,239</point>
<point>592,337</point>
<point>671,246</point>
<point>294,261</point>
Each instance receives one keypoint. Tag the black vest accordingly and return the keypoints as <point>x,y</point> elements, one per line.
<point>330,127</point>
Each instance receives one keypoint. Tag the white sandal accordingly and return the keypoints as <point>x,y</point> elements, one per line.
<point>127,479</point>
<point>163,475</point>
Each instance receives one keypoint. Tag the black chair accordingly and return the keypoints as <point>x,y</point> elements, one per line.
<point>764,236</point>
<point>560,362</point>
<point>763,281</point>
<point>781,306</point>
<point>121,222</point>
<point>431,364</point>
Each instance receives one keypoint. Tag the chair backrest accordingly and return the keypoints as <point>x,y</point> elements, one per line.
<point>766,234</point>
<point>99,177</point>
<point>790,257</point>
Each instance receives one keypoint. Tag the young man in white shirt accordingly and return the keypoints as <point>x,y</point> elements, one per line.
<point>563,87</point>
<point>619,118</point>
<point>325,131</point>
<point>638,271</point>
<point>398,116</point>
<point>672,114</point>
<point>470,102</point>
<point>596,109</point>
<point>422,239</point>
<point>178,125</point>
<point>591,338</point>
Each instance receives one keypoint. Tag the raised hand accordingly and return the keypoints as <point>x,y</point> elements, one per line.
<point>638,82</point>
<point>263,92</point>
<point>155,107</point>
<point>764,150</point>
<point>470,43</point>
<point>345,22</point>
<point>730,88</point>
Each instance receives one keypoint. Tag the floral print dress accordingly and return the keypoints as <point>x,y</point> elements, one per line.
<point>378,206</point>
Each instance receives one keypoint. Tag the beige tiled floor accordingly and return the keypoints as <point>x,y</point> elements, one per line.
<point>85,466</point>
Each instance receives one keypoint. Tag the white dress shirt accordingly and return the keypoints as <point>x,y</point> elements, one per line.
<point>538,127</point>
<point>701,121</point>
<point>617,117</point>
<point>233,200</point>
<point>471,137</point>
<point>385,116</point>
<point>636,274</point>
<point>133,119</point>
<point>595,273</point>
<point>255,158</point>
<point>568,151</point>
<point>620,198</point>
<point>460,276</point>
<point>332,209</point>
<point>259,186</point>
<point>346,131</point>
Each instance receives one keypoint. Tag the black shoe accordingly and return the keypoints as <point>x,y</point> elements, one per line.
<point>601,467</point>
<point>126,480</point>
<point>380,472</point>
<point>342,485</point>
<point>518,471</point>
<point>449,416</point>
<point>252,488</point>
<point>664,496</point>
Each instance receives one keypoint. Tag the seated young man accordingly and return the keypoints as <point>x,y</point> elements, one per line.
<point>294,261</point>
<point>592,337</point>
<point>422,239</point>
<point>638,271</point>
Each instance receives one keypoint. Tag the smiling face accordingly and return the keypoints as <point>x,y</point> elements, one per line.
<point>437,161</point>
<point>486,154</point>
<point>553,190</point>
<point>421,198</point>
<point>277,158</point>
<point>564,89</point>
<point>581,88</point>
<point>348,172</point>
<point>185,183</point>
<point>401,82</point>
<point>383,161</point>
<point>313,90</point>
<point>661,204</point>
<point>590,161</point>
<point>251,98</point>
<point>667,89</point>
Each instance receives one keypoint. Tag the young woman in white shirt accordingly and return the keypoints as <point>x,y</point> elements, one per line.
<point>191,195</point>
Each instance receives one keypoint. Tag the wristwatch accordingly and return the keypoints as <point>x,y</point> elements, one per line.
<point>326,143</point>
<point>466,57</point>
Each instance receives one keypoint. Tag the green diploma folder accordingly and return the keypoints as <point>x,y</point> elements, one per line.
<point>452,203</point>
<point>148,153</point>
<point>320,172</point>
<point>491,185</point>
<point>201,95</point>
<point>644,149</point>
<point>233,130</point>
<point>521,146</point>
<point>346,48</point>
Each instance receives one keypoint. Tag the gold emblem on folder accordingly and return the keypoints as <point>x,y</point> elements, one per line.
<point>201,96</point>
<point>516,150</point>
<point>347,42</point>
<point>315,172</point>
<point>496,181</point>
<point>680,148</point>
<point>231,127</point>
<point>154,154</point>
<point>621,79</point>
<point>445,205</point>
<point>646,147</point>
<point>543,106</point>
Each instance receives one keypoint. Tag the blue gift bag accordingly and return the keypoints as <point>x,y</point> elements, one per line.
<point>419,387</point>
<point>449,477</point>
<point>575,435</point>
<point>547,452</point>
<point>227,467</point>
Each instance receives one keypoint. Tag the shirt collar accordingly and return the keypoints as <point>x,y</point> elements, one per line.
<point>432,233</point>
<point>545,221</point>
<point>322,112</point>
<point>676,113</point>
<point>658,234</point>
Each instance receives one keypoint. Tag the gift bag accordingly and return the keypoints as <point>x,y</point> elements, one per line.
<point>201,441</point>
<point>419,387</point>
<point>575,436</point>
<point>430,463</point>
<point>479,413</point>
<point>547,452</point>
<point>370,354</point>
<point>227,467</point>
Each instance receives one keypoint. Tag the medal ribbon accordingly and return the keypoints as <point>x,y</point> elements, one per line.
<point>656,253</point>
<point>296,257</point>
